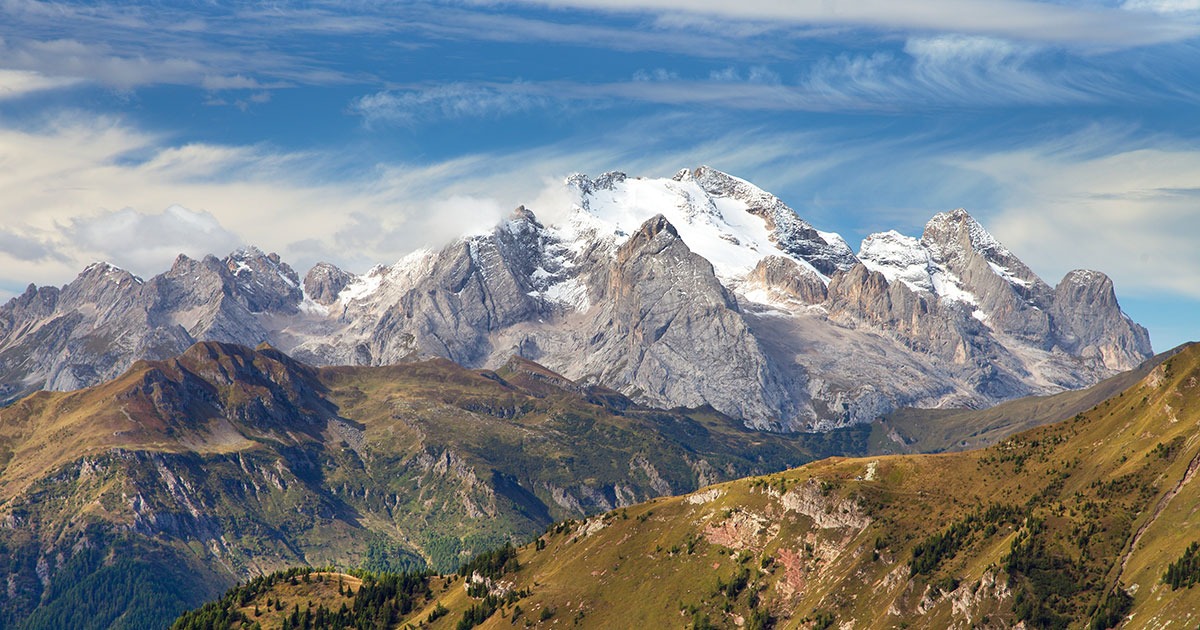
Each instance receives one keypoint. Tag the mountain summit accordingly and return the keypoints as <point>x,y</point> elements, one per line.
<point>685,291</point>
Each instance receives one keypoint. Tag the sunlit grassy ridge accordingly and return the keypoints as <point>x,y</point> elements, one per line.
<point>1071,525</point>
<point>227,462</point>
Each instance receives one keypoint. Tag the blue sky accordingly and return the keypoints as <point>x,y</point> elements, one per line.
<point>356,132</point>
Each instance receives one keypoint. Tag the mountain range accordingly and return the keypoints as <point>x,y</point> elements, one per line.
<point>701,289</point>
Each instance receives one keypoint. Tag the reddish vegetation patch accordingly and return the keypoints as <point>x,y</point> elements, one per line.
<point>792,581</point>
<point>739,531</point>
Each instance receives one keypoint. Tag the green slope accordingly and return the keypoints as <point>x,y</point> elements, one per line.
<point>224,463</point>
<point>1070,525</point>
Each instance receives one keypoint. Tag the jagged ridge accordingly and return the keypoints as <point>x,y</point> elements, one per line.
<point>733,301</point>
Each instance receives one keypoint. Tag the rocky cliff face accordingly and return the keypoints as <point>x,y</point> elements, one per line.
<point>699,289</point>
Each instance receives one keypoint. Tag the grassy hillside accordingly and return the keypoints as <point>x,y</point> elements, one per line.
<point>1078,524</point>
<point>159,489</point>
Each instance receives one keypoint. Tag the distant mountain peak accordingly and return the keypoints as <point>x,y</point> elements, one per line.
<point>947,233</point>
<point>697,289</point>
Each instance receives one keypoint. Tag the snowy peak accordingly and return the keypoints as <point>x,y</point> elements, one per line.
<point>265,282</point>
<point>827,252</point>
<point>950,234</point>
<point>729,221</point>
<point>899,258</point>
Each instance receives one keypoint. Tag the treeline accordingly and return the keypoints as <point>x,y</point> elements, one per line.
<point>929,554</point>
<point>492,564</point>
<point>1185,571</point>
<point>380,602</point>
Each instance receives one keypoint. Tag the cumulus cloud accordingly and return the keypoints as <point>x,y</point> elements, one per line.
<point>26,247</point>
<point>96,188</point>
<point>148,242</point>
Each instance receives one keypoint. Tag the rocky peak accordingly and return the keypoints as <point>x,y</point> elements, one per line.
<point>959,228</point>
<point>651,228</point>
<point>523,214</point>
<point>1089,322</point>
<point>826,252</point>
<point>35,302</point>
<point>948,234</point>
<point>324,282</point>
<point>954,238</point>
<point>586,185</point>
<point>265,283</point>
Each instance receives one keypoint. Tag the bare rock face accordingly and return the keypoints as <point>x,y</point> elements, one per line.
<point>324,282</point>
<point>698,289</point>
<point>1088,322</point>
<point>670,331</point>
<point>475,287</point>
<point>1009,293</point>
<point>95,327</point>
<point>265,283</point>
<point>785,279</point>
<point>920,320</point>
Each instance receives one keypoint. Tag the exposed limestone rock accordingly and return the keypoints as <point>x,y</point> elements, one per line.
<point>825,509</point>
<point>785,279</point>
<point>324,282</point>
<point>1089,323</point>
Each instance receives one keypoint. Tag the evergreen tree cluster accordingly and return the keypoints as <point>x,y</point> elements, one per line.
<point>492,564</point>
<point>1185,571</point>
<point>381,601</point>
<point>929,553</point>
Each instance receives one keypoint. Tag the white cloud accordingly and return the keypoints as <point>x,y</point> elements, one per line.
<point>453,100</point>
<point>17,83</point>
<point>1131,211</point>
<point>1168,7</point>
<point>1017,19</point>
<point>148,241</point>
<point>80,189</point>
<point>657,74</point>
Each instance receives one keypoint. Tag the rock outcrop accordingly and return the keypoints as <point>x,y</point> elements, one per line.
<point>324,282</point>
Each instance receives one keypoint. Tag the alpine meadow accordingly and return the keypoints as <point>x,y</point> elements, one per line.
<point>638,314</point>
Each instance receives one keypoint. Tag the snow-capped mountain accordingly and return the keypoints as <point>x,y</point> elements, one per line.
<point>698,289</point>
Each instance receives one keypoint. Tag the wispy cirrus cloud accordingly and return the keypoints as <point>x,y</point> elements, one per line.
<point>1083,24</point>
<point>455,100</point>
<point>1168,7</point>
<point>1101,198</point>
<point>927,73</point>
